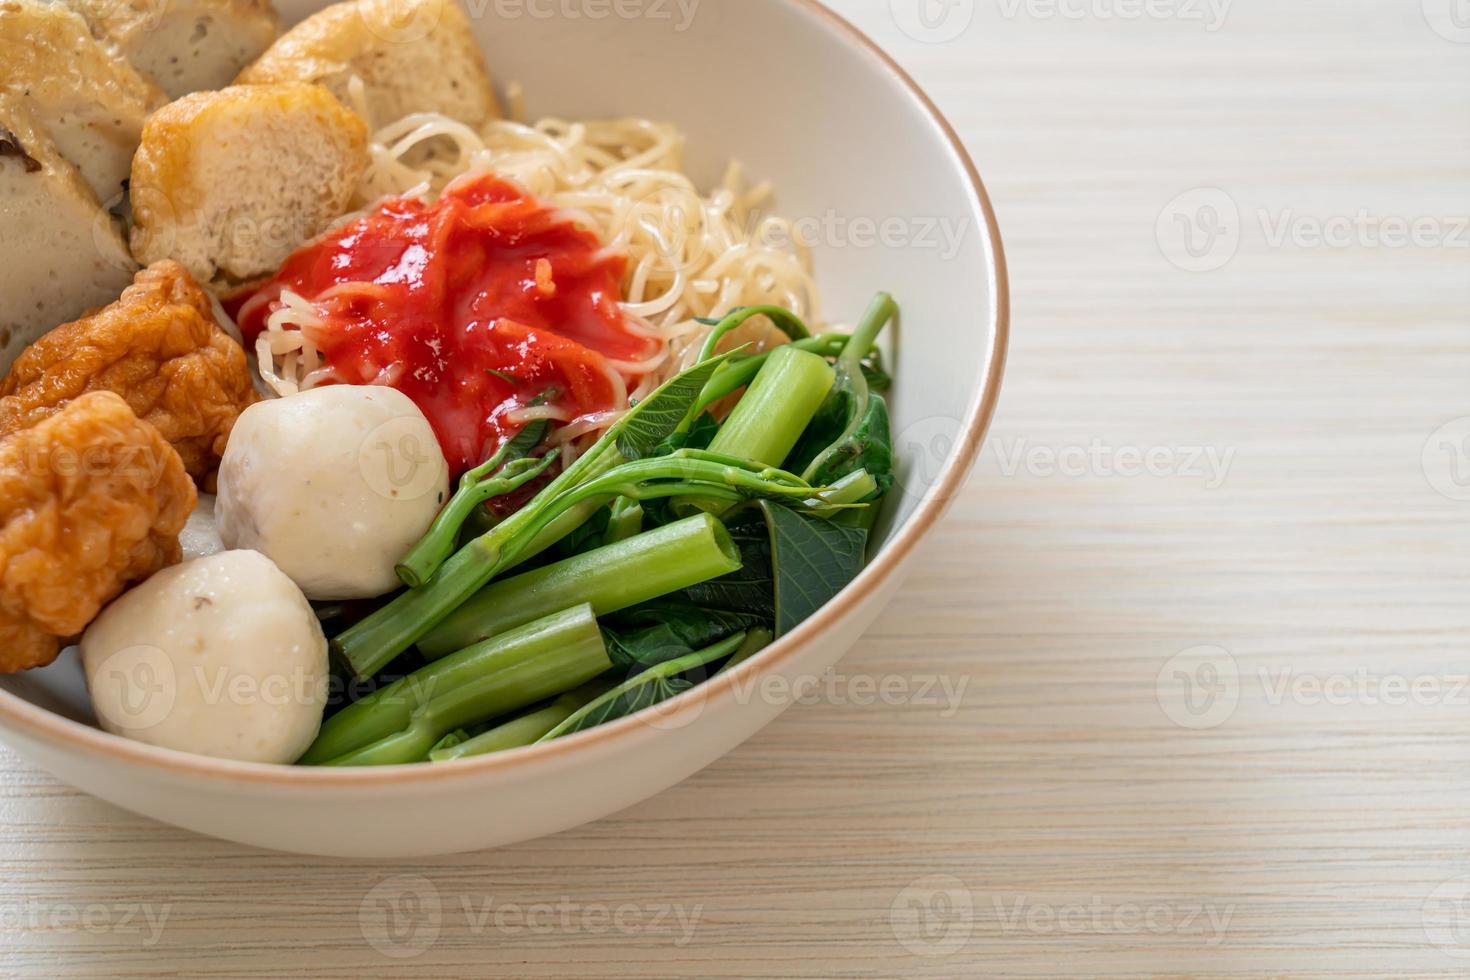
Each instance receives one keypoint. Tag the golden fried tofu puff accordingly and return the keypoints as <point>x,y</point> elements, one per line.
<point>230,183</point>
<point>160,348</point>
<point>410,56</point>
<point>92,500</point>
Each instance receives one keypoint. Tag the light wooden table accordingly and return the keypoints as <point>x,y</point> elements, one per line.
<point>1306,811</point>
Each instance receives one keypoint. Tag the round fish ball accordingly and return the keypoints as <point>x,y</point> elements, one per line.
<point>335,485</point>
<point>221,656</point>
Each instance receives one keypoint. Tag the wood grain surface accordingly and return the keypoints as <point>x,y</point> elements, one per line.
<point>1180,688</point>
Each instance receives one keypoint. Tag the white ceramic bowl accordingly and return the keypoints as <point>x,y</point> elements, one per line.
<point>855,149</point>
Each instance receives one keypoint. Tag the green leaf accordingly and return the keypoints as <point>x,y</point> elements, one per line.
<point>645,427</point>
<point>812,559</point>
<point>525,441</point>
<point>587,537</point>
<point>657,632</point>
<point>848,433</point>
<point>750,590</point>
<point>653,686</point>
<point>699,436</point>
<point>869,446</point>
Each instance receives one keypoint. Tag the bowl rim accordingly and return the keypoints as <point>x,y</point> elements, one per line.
<point>56,730</point>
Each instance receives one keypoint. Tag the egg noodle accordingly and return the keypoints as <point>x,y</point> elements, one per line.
<point>689,255</point>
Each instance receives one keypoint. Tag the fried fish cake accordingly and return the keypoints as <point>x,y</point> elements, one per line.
<point>92,499</point>
<point>160,348</point>
<point>230,183</point>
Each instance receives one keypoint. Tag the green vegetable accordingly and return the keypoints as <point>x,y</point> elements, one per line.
<point>755,641</point>
<point>750,590</point>
<point>793,562</point>
<point>402,722</point>
<point>612,578</point>
<point>741,370</point>
<point>874,372</point>
<point>625,521</point>
<point>845,495</point>
<point>653,686</point>
<point>658,632</point>
<point>851,430</point>
<point>521,731</point>
<point>777,408</point>
<point>371,644</point>
<point>475,489</point>
<point>812,560</point>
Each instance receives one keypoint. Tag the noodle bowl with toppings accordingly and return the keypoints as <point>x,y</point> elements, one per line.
<point>530,415</point>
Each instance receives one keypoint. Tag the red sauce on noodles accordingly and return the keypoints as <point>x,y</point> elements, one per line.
<point>473,306</point>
